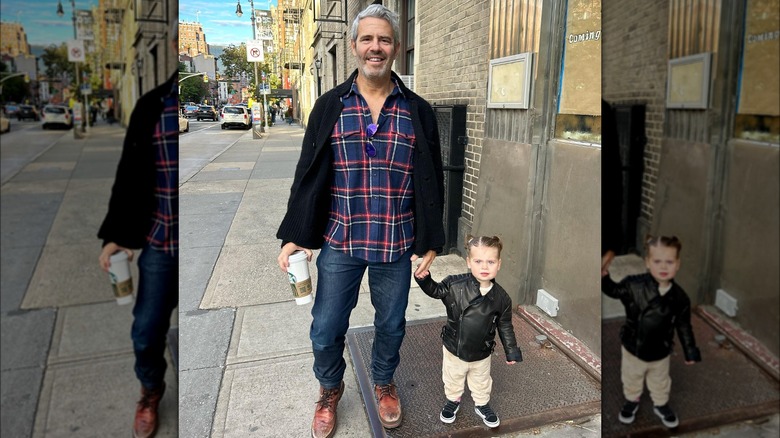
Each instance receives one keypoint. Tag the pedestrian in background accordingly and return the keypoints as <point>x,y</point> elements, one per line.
<point>144,213</point>
<point>477,308</point>
<point>288,115</point>
<point>656,306</point>
<point>368,191</point>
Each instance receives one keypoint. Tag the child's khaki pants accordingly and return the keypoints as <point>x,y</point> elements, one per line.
<point>633,372</point>
<point>455,372</point>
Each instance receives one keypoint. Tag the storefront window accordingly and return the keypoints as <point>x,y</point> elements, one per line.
<point>758,107</point>
<point>579,99</point>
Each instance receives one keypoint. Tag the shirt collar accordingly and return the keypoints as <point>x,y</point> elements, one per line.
<point>353,89</point>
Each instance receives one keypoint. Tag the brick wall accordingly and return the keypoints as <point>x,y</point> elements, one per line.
<point>452,68</point>
<point>634,65</point>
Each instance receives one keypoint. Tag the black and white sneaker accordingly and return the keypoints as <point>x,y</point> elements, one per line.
<point>488,416</point>
<point>628,413</point>
<point>667,415</point>
<point>448,411</point>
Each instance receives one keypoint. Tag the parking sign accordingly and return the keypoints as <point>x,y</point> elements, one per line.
<point>254,51</point>
<point>76,51</point>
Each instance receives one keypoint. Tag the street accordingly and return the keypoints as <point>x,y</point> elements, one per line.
<point>203,143</point>
<point>26,140</point>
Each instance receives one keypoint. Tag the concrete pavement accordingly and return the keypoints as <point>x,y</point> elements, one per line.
<point>67,361</point>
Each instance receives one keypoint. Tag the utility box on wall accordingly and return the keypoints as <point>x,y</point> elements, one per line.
<point>452,135</point>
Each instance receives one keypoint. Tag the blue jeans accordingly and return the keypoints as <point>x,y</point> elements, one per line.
<point>338,285</point>
<point>158,295</point>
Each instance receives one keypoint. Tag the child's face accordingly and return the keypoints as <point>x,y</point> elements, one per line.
<point>663,263</point>
<point>483,262</point>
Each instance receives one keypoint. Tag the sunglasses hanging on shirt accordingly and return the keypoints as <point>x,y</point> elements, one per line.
<point>370,149</point>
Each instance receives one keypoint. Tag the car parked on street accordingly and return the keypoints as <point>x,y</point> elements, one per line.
<point>207,112</point>
<point>190,111</point>
<point>27,112</point>
<point>57,115</point>
<point>234,115</point>
<point>5,123</point>
<point>11,109</point>
<point>184,123</point>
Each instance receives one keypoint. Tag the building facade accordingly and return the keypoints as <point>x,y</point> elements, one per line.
<point>192,39</point>
<point>13,39</point>
<point>709,154</point>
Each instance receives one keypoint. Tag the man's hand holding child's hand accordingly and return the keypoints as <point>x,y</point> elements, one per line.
<point>511,362</point>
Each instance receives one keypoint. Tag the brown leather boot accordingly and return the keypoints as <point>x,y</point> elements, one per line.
<point>324,423</point>
<point>390,414</point>
<point>145,425</point>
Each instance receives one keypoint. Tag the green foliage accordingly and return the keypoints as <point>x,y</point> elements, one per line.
<point>55,60</point>
<point>193,88</point>
<point>14,89</point>
<point>233,58</point>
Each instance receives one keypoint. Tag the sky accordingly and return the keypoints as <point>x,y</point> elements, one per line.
<point>219,20</point>
<point>40,20</point>
<point>44,27</point>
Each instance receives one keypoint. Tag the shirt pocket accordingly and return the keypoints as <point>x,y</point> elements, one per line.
<point>403,134</point>
<point>347,147</point>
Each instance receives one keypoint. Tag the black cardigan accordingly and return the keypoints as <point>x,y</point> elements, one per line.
<point>132,205</point>
<point>308,208</point>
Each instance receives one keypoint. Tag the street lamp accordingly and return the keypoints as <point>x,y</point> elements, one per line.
<point>318,65</point>
<point>61,12</point>
<point>239,12</point>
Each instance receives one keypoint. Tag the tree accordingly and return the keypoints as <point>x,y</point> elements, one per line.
<point>236,66</point>
<point>55,59</point>
<point>192,89</point>
<point>14,89</point>
<point>234,60</point>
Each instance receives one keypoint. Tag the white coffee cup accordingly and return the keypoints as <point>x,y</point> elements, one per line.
<point>121,280</point>
<point>299,278</point>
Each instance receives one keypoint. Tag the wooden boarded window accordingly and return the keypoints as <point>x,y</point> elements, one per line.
<point>514,27</point>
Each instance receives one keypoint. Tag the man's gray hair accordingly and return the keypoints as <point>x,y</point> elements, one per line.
<point>378,11</point>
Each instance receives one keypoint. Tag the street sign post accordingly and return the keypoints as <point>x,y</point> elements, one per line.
<point>76,54</point>
<point>254,54</point>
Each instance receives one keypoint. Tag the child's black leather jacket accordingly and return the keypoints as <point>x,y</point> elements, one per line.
<point>470,331</point>
<point>651,318</point>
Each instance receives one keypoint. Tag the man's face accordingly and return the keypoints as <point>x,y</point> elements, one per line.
<point>375,48</point>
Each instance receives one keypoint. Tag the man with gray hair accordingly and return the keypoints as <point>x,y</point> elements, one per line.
<point>368,191</point>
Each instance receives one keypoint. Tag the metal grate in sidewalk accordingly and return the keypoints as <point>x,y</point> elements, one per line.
<point>724,388</point>
<point>546,387</point>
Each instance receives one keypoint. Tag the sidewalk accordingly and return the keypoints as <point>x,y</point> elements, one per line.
<point>733,392</point>
<point>67,363</point>
<point>245,361</point>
